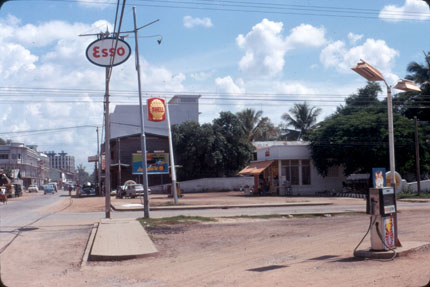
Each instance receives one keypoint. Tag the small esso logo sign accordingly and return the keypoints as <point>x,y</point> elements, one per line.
<point>102,52</point>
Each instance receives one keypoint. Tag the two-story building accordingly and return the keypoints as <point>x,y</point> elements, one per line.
<point>125,137</point>
<point>32,165</point>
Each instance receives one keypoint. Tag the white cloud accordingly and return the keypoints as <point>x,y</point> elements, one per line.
<point>227,85</point>
<point>50,55</point>
<point>411,10</point>
<point>306,35</point>
<point>265,46</point>
<point>100,4</point>
<point>354,38</point>
<point>377,52</point>
<point>191,22</point>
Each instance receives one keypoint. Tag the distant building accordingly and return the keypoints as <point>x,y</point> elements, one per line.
<point>32,165</point>
<point>61,161</point>
<point>125,136</point>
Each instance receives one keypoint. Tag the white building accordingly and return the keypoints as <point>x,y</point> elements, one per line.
<point>287,167</point>
<point>61,161</point>
<point>32,165</point>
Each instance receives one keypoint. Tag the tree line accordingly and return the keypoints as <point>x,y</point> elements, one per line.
<point>355,136</point>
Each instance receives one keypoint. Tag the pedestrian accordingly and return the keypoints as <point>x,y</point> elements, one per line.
<point>70,190</point>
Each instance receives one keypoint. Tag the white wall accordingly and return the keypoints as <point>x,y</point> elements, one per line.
<point>216,184</point>
<point>412,186</point>
<point>300,151</point>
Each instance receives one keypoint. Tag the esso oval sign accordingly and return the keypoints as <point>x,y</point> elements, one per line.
<point>102,51</point>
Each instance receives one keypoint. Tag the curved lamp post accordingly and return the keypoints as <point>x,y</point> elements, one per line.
<point>372,74</point>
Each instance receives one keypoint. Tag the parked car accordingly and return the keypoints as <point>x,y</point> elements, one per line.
<point>132,190</point>
<point>18,189</point>
<point>33,188</point>
<point>86,190</point>
<point>48,189</point>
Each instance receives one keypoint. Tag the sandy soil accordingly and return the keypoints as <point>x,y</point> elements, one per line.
<point>229,252</point>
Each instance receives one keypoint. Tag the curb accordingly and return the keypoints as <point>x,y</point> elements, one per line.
<point>197,207</point>
<point>90,242</point>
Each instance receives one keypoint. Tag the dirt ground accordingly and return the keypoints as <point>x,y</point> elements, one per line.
<point>94,204</point>
<point>229,252</point>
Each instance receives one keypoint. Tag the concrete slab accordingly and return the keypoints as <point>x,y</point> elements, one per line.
<point>120,239</point>
<point>407,247</point>
<point>139,207</point>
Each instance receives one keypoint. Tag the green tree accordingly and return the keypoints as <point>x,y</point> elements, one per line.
<point>357,139</point>
<point>365,98</point>
<point>83,176</point>
<point>211,150</point>
<point>235,146</point>
<point>255,126</point>
<point>302,118</point>
<point>413,104</point>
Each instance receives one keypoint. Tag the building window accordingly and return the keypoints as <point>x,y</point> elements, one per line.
<point>4,156</point>
<point>290,169</point>
<point>306,172</point>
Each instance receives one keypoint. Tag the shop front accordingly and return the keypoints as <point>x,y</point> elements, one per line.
<point>266,177</point>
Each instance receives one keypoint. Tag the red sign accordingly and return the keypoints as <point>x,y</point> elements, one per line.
<point>102,52</point>
<point>156,110</point>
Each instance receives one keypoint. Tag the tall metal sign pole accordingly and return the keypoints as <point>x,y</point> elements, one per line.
<point>108,52</point>
<point>107,148</point>
<point>172,158</point>
<point>142,125</point>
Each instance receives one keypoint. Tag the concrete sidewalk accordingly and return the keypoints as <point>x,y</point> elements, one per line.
<point>139,207</point>
<point>119,239</point>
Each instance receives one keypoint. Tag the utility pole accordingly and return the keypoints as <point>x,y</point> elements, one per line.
<point>172,158</point>
<point>118,189</point>
<point>417,158</point>
<point>99,166</point>
<point>142,125</point>
<point>107,147</point>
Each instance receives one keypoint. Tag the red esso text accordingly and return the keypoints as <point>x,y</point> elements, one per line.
<point>98,52</point>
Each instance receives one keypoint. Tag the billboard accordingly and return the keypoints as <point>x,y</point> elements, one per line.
<point>156,110</point>
<point>157,163</point>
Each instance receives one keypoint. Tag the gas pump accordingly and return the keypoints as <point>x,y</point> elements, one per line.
<point>381,205</point>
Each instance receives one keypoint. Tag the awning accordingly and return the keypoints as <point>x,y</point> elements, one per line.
<point>256,167</point>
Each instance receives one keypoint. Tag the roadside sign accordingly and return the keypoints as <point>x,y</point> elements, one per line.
<point>157,163</point>
<point>156,110</point>
<point>102,51</point>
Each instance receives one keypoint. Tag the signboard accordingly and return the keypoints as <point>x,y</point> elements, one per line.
<point>157,163</point>
<point>156,110</point>
<point>101,52</point>
<point>92,158</point>
<point>378,177</point>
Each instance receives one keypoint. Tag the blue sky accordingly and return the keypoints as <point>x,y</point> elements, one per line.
<point>262,55</point>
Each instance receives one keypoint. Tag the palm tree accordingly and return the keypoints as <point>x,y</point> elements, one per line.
<point>302,117</point>
<point>255,126</point>
<point>420,73</point>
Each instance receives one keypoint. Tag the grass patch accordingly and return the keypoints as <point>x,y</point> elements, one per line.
<point>181,219</point>
<point>413,195</point>
<point>310,215</point>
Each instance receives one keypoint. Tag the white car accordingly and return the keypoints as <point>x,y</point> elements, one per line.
<point>33,188</point>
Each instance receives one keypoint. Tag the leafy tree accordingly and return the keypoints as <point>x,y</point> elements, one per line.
<point>365,98</point>
<point>413,104</point>
<point>357,139</point>
<point>256,127</point>
<point>302,118</point>
<point>83,176</point>
<point>237,150</point>
<point>2,141</point>
<point>211,150</point>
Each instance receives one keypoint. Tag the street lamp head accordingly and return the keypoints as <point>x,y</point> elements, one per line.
<point>407,85</point>
<point>368,72</point>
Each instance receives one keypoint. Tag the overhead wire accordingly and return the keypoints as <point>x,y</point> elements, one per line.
<point>269,8</point>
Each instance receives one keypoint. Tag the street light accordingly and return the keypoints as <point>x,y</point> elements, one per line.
<point>371,74</point>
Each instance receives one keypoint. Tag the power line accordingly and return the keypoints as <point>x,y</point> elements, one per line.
<point>268,8</point>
